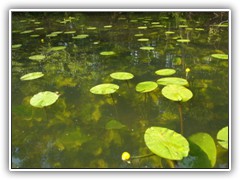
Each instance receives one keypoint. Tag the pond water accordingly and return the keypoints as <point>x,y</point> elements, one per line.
<point>79,50</point>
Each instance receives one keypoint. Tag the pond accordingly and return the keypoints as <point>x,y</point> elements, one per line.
<point>119,90</point>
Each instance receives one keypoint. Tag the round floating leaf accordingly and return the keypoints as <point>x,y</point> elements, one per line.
<point>172,80</point>
<point>15,46</point>
<point>104,89</point>
<point>142,27</point>
<point>34,35</point>
<point>113,124</point>
<point>199,29</point>
<point>80,36</point>
<point>69,32</point>
<point>43,99</point>
<point>57,48</point>
<point>39,57</point>
<point>91,28</point>
<point>166,143</point>
<point>146,86</point>
<point>107,53</point>
<point>177,93</point>
<point>147,48</point>
<point>183,40</point>
<point>31,76</point>
<point>39,28</point>
<point>169,32</point>
<point>143,39</point>
<point>138,35</point>
<point>26,32</point>
<point>220,56</point>
<point>222,137</point>
<point>165,72</point>
<point>207,144</point>
<point>122,75</point>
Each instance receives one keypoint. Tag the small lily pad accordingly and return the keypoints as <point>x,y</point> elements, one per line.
<point>69,32</point>
<point>142,27</point>
<point>31,76</point>
<point>147,48</point>
<point>169,32</point>
<point>114,124</point>
<point>143,39</point>
<point>39,57</point>
<point>222,137</point>
<point>177,93</point>
<point>138,35</point>
<point>57,48</point>
<point>146,86</point>
<point>122,75</point>
<point>220,56</point>
<point>107,53</point>
<point>172,80</point>
<point>165,72</point>
<point>80,36</point>
<point>15,46</point>
<point>43,99</point>
<point>183,40</point>
<point>34,35</point>
<point>26,32</point>
<point>104,89</point>
<point>166,143</point>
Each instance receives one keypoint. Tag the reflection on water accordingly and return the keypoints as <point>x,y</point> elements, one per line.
<point>72,132</point>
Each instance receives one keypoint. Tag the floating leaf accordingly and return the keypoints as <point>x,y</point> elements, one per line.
<point>15,46</point>
<point>57,48</point>
<point>138,35</point>
<point>166,143</point>
<point>165,72</point>
<point>37,57</point>
<point>177,93</point>
<point>34,35</point>
<point>91,28</point>
<point>142,27</point>
<point>31,76</point>
<point>107,53</point>
<point>122,75</point>
<point>222,137</point>
<point>80,36</point>
<point>183,40</point>
<point>172,80</point>
<point>169,32</point>
<point>113,124</point>
<point>26,32</point>
<point>43,99</point>
<point>147,48</point>
<point>143,39</point>
<point>69,32</point>
<point>146,86</point>
<point>104,89</point>
<point>220,56</point>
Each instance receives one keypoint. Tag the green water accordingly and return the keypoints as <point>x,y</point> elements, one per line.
<point>72,133</point>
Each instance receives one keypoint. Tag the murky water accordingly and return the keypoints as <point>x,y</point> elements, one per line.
<point>74,132</point>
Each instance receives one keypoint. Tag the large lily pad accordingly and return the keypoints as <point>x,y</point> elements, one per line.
<point>222,137</point>
<point>172,80</point>
<point>31,76</point>
<point>177,93</point>
<point>114,124</point>
<point>166,143</point>
<point>165,72</point>
<point>146,86</point>
<point>122,75</point>
<point>220,56</point>
<point>207,144</point>
<point>43,99</point>
<point>104,89</point>
<point>39,57</point>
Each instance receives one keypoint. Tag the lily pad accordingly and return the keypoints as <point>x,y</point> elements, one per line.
<point>222,137</point>
<point>80,36</point>
<point>138,35</point>
<point>114,124</point>
<point>147,48</point>
<point>122,75</point>
<point>39,57</point>
<point>166,143</point>
<point>15,46</point>
<point>207,144</point>
<point>177,93</point>
<point>34,35</point>
<point>31,76</point>
<point>104,89</point>
<point>43,99</point>
<point>146,86</point>
<point>172,80</point>
<point>183,40</point>
<point>169,32</point>
<point>142,27</point>
<point>143,39</point>
<point>26,32</point>
<point>57,48</point>
<point>69,32</point>
<point>107,53</point>
<point>220,56</point>
<point>165,72</point>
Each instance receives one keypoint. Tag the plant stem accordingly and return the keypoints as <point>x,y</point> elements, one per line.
<point>45,110</point>
<point>181,117</point>
<point>170,163</point>
<point>142,156</point>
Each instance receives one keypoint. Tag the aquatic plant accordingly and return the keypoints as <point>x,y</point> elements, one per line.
<point>124,76</point>
<point>165,72</point>
<point>172,80</point>
<point>38,57</point>
<point>222,137</point>
<point>31,76</point>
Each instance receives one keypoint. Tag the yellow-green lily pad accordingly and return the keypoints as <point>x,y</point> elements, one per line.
<point>122,75</point>
<point>165,72</point>
<point>103,89</point>
<point>31,76</point>
<point>222,137</point>
<point>146,86</point>
<point>43,99</point>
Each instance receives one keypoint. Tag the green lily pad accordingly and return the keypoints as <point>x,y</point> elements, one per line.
<point>172,80</point>
<point>138,35</point>
<point>199,29</point>
<point>34,35</point>
<point>146,86</point>
<point>166,143</point>
<point>183,40</point>
<point>39,57</point>
<point>104,89</point>
<point>51,35</point>
<point>15,46</point>
<point>43,99</point>
<point>122,75</point>
<point>142,27</point>
<point>177,93</point>
<point>107,53</point>
<point>143,39</point>
<point>80,36</point>
<point>31,76</point>
<point>220,56</point>
<point>114,124</point>
<point>26,32</point>
<point>147,48</point>
<point>69,32</point>
<point>39,28</point>
<point>207,144</point>
<point>57,48</point>
<point>91,28</point>
<point>165,72</point>
<point>107,26</point>
<point>222,137</point>
<point>169,32</point>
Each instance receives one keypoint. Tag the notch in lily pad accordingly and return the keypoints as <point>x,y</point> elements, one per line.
<point>165,72</point>
<point>31,76</point>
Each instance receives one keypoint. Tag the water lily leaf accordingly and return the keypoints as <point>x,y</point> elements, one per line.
<point>220,56</point>
<point>34,35</point>
<point>146,86</point>
<point>122,75</point>
<point>15,46</point>
<point>143,39</point>
<point>172,80</point>
<point>142,27</point>
<point>80,36</point>
<point>147,48</point>
<point>104,89</point>
<point>177,93</point>
<point>57,48</point>
<point>183,40</point>
<point>166,143</point>
<point>114,124</point>
<point>69,32</point>
<point>39,28</point>
<point>169,32</point>
<point>39,57</point>
<point>222,137</point>
<point>138,35</point>
<point>107,53</point>
<point>31,76</point>
<point>26,32</point>
<point>43,99</point>
<point>165,72</point>
<point>207,144</point>
<point>91,28</point>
